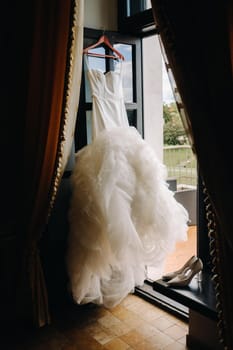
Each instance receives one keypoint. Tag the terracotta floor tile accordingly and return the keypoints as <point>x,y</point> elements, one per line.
<point>182,340</point>
<point>133,337</point>
<point>101,312</point>
<point>160,339</point>
<point>130,299</point>
<point>182,324</point>
<point>157,311</point>
<point>103,337</point>
<point>116,309</point>
<point>121,329</point>
<point>135,307</point>
<point>86,343</point>
<point>175,320</point>
<point>145,345</point>
<point>146,330</point>
<point>175,332</point>
<point>162,323</point>
<point>109,321</point>
<point>146,312</point>
<point>116,344</point>
<point>124,314</point>
<point>93,328</point>
<point>75,334</point>
<point>128,317</point>
<point>150,315</point>
<point>175,346</point>
<point>134,322</point>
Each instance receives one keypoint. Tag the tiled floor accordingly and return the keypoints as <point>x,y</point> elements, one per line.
<point>134,324</point>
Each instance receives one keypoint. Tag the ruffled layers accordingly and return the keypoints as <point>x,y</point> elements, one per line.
<point>122,217</point>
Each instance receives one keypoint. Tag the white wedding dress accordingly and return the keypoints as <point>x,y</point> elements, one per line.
<point>122,215</point>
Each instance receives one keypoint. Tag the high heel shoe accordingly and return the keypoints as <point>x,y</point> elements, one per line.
<point>173,274</point>
<point>186,276</point>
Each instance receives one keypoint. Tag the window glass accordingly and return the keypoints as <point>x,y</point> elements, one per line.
<point>96,62</point>
<point>134,7</point>
<point>132,117</point>
<point>127,66</point>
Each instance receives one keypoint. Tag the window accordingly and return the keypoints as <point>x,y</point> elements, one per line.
<point>136,30</point>
<point>130,47</point>
<point>136,17</point>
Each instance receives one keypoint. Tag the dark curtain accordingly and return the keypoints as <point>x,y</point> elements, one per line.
<point>47,70</point>
<point>198,40</point>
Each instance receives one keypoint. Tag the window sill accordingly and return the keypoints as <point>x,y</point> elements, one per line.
<point>198,296</point>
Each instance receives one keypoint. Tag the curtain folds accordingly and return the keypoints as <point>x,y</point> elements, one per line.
<point>71,95</point>
<point>52,102</point>
<point>197,38</point>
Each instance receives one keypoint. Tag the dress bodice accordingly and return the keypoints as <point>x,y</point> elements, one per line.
<point>108,100</point>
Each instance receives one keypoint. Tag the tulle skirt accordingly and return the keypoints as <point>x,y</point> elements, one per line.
<point>122,217</point>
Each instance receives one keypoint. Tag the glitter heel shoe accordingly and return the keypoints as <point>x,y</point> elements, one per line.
<point>173,274</point>
<point>185,277</point>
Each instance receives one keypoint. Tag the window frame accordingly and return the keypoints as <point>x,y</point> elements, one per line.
<point>142,24</point>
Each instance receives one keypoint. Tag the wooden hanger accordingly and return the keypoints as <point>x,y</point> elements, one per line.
<point>103,40</point>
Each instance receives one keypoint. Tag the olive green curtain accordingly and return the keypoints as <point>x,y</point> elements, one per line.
<point>54,73</point>
<point>197,38</point>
